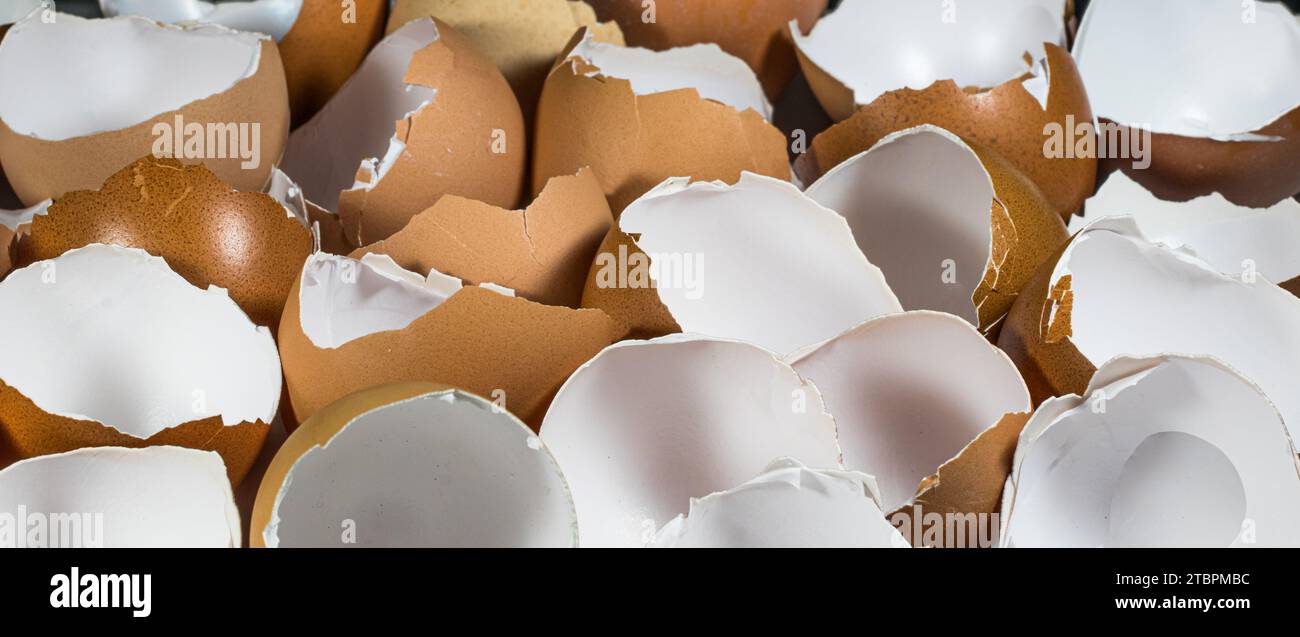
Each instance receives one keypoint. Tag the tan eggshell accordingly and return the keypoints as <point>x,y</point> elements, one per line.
<point>1007,119</point>
<point>449,143</point>
<point>322,50</point>
<point>543,253</point>
<point>477,339</point>
<point>637,310</point>
<point>522,37</point>
<point>40,169</point>
<point>755,31</point>
<point>207,232</point>
<point>634,142</point>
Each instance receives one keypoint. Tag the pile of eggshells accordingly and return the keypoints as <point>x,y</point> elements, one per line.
<point>668,273</point>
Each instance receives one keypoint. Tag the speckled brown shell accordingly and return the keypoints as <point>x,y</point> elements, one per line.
<point>637,311</point>
<point>1007,119</point>
<point>208,233</point>
<point>322,50</point>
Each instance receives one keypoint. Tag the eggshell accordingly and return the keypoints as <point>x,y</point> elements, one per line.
<point>755,31</point>
<point>326,227</point>
<point>757,262</point>
<point>207,232</point>
<point>112,497</point>
<point>352,324</point>
<point>1009,119</point>
<point>1143,459</point>
<point>634,138</point>
<point>54,141</point>
<point>1215,130</point>
<point>646,425</point>
<point>15,224</point>
<point>454,471</point>
<point>1112,293</point>
<point>786,506</point>
<point>941,248</point>
<point>543,253</point>
<point>453,113</point>
<point>522,37</point>
<point>112,348</point>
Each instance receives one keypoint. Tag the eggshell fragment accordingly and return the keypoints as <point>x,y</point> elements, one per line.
<point>353,324</point>
<point>321,43</point>
<point>115,349</point>
<point>207,232</point>
<point>901,413</point>
<point>16,10</point>
<point>458,130</point>
<point>326,227</point>
<point>13,225</point>
<point>522,37</point>
<point>786,506</point>
<point>1218,129</point>
<point>220,92</point>
<point>647,425</point>
<point>941,248</point>
<point>112,497</point>
<point>1039,123</point>
<point>1158,452</point>
<point>413,464</point>
<point>649,121</point>
<point>1234,239</point>
<point>543,253</point>
<point>752,30</point>
<point>1112,293</point>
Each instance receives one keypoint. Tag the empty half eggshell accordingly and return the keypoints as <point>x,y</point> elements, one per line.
<point>758,261</point>
<point>637,117</point>
<point>522,37</point>
<point>543,252</point>
<point>208,233</point>
<point>1157,452</point>
<point>1113,293</point>
<point>647,425</point>
<point>321,43</point>
<point>1218,129</point>
<point>966,247</point>
<point>114,497</point>
<point>911,391</point>
<point>350,324</point>
<point>413,465</point>
<point>113,348</point>
<point>202,94</point>
<point>425,115</point>
<point>787,506</point>
<point>1234,239</point>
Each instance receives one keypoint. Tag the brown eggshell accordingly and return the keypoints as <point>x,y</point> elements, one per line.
<point>755,31</point>
<point>39,169</point>
<point>322,50</point>
<point>543,253</point>
<point>208,233</point>
<point>637,310</point>
<point>1007,119</point>
<point>449,143</point>
<point>477,339</point>
<point>31,431</point>
<point>634,142</point>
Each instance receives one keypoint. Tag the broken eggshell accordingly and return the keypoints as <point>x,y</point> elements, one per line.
<point>637,117</point>
<point>116,349</point>
<point>321,43</point>
<point>208,233</point>
<point>14,224</point>
<point>646,425</point>
<point>1110,292</point>
<point>758,261</point>
<point>351,324</point>
<point>156,497</point>
<point>458,130</point>
<point>454,470</point>
<point>787,506</point>
<point>967,248</point>
<point>1216,130</point>
<point>1166,451</point>
<point>543,252</point>
<point>325,226</point>
<point>202,93</point>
